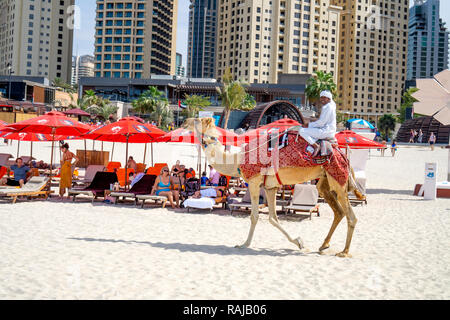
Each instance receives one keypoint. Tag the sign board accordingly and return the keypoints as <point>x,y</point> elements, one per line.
<point>429,187</point>
<point>205,114</point>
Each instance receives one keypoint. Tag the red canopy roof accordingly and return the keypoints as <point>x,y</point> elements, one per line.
<point>125,130</point>
<point>77,112</point>
<point>356,141</point>
<point>279,126</point>
<point>186,136</point>
<point>51,123</point>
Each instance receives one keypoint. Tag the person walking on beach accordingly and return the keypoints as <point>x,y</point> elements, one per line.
<point>412,134</point>
<point>420,136</point>
<point>66,170</point>
<point>393,147</point>
<point>432,141</point>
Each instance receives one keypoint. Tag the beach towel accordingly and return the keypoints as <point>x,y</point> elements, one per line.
<point>256,158</point>
<point>66,175</point>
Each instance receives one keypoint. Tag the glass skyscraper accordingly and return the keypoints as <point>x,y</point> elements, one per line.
<point>202,38</point>
<point>427,41</point>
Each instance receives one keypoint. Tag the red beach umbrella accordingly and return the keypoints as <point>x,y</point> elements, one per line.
<point>53,123</point>
<point>274,127</point>
<point>126,130</point>
<point>356,141</point>
<point>186,136</point>
<point>77,112</point>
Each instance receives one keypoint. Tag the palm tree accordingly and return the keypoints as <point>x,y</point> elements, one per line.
<point>104,109</point>
<point>162,113</point>
<point>195,103</point>
<point>319,82</point>
<point>147,101</point>
<point>233,96</point>
<point>89,99</point>
<point>386,124</point>
<point>407,102</point>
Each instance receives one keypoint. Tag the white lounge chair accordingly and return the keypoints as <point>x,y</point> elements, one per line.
<point>305,199</point>
<point>155,198</point>
<point>4,159</point>
<point>246,202</point>
<point>35,187</point>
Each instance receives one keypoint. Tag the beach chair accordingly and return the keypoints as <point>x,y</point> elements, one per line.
<point>305,199</point>
<point>142,187</point>
<point>4,159</point>
<point>246,202</point>
<point>101,182</point>
<point>35,187</point>
<point>121,176</point>
<point>112,166</point>
<point>154,198</point>
<point>156,169</point>
<point>89,175</point>
<point>140,168</point>
<point>27,159</point>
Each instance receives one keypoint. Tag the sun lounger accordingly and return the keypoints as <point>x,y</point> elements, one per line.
<point>202,203</point>
<point>305,199</point>
<point>97,187</point>
<point>155,198</point>
<point>142,187</point>
<point>35,187</point>
<point>113,165</point>
<point>245,202</point>
<point>4,159</point>
<point>89,175</point>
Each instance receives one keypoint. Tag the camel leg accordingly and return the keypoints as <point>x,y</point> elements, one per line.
<point>351,222</point>
<point>330,198</point>
<point>254,195</point>
<point>273,218</point>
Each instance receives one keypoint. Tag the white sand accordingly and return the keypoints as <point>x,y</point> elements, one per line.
<point>81,251</point>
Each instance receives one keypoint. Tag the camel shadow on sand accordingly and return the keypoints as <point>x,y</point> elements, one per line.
<point>205,248</point>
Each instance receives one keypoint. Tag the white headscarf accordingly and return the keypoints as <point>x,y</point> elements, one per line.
<point>326,94</point>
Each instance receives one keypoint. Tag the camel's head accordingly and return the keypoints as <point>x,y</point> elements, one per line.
<point>204,128</point>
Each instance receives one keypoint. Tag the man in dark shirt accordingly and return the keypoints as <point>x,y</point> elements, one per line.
<point>20,174</point>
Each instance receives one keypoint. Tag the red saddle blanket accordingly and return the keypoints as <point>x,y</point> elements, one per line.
<point>257,157</point>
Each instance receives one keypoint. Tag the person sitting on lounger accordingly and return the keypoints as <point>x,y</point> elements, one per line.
<point>132,164</point>
<point>20,174</point>
<point>163,187</point>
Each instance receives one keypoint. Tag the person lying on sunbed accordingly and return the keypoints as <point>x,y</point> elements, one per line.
<point>217,192</point>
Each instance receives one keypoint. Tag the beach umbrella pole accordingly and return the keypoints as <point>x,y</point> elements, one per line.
<point>18,147</point>
<point>151,145</point>
<point>31,151</point>
<point>145,153</point>
<point>85,154</point>
<point>112,151</point>
<point>126,167</point>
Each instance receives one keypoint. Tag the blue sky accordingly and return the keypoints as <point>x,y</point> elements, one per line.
<point>84,37</point>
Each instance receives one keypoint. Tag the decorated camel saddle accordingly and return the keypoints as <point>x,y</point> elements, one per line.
<point>291,150</point>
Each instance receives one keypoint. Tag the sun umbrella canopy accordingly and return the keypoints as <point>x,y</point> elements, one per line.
<point>51,123</point>
<point>24,136</point>
<point>355,141</point>
<point>434,97</point>
<point>125,130</point>
<point>271,128</point>
<point>362,123</point>
<point>186,136</point>
<point>77,112</point>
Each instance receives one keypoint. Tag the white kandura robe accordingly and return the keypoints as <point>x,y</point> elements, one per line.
<point>324,128</point>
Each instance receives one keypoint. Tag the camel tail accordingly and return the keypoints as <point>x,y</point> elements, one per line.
<point>353,186</point>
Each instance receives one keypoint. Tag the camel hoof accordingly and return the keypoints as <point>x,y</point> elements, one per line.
<point>299,243</point>
<point>242,246</point>
<point>324,247</point>
<point>343,255</point>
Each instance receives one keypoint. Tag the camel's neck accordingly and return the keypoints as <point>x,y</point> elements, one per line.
<point>225,162</point>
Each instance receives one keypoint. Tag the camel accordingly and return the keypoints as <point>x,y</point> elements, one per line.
<point>228,163</point>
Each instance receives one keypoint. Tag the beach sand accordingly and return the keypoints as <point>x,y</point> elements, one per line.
<point>400,249</point>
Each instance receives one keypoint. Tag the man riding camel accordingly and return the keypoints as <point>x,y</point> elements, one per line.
<point>324,128</point>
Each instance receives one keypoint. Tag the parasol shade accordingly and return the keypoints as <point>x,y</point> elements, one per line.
<point>434,97</point>
<point>77,112</point>
<point>182,135</point>
<point>356,141</point>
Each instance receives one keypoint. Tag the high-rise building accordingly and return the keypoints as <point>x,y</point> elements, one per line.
<point>427,41</point>
<point>82,66</point>
<point>372,56</point>
<point>136,38</point>
<point>180,71</point>
<point>202,38</point>
<point>36,38</point>
<point>259,39</point>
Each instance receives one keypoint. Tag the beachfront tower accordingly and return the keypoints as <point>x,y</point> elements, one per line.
<point>372,56</point>
<point>36,38</point>
<point>259,39</point>
<point>427,41</point>
<point>202,38</point>
<point>136,38</point>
